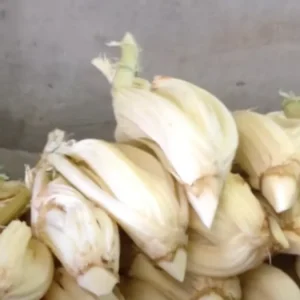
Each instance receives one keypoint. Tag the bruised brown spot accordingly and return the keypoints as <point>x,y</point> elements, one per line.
<point>169,256</point>
<point>86,268</point>
<point>161,77</point>
<point>210,290</point>
<point>157,79</point>
<point>103,264</point>
<point>291,169</point>
<point>55,206</point>
<point>201,184</point>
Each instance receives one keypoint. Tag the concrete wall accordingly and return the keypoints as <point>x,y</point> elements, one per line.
<point>241,50</point>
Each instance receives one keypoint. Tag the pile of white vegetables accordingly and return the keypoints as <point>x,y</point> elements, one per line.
<point>191,202</point>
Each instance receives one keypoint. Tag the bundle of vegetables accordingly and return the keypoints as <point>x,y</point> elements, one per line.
<point>191,201</point>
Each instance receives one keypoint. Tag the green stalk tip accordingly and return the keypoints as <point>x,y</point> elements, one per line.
<point>128,64</point>
<point>129,39</point>
<point>290,105</point>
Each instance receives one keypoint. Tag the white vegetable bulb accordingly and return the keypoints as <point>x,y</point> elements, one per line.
<point>193,129</point>
<point>139,194</point>
<point>83,237</point>
<point>269,157</point>
<point>269,283</point>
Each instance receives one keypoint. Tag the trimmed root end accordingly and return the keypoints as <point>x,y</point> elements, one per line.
<point>280,188</point>
<point>203,196</point>
<point>176,268</point>
<point>98,281</point>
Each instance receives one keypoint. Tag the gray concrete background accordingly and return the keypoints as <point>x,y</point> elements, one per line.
<point>241,50</point>
<point>12,162</point>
